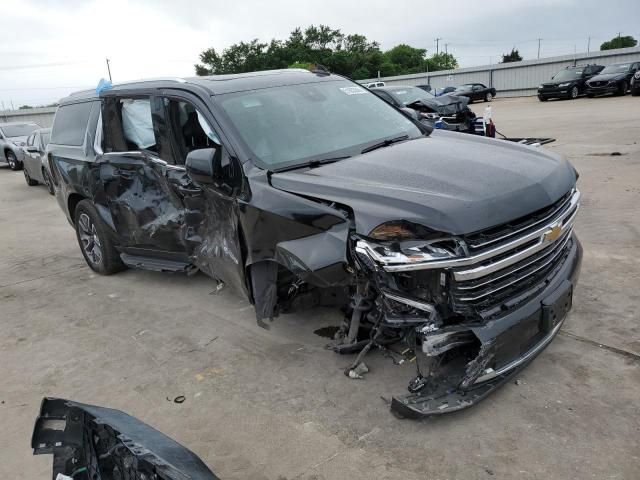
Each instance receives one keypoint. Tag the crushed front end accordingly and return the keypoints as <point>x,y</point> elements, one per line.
<point>474,309</point>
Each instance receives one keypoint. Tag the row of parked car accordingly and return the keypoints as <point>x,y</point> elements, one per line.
<point>592,80</point>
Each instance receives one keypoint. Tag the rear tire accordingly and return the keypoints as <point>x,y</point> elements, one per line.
<point>30,181</point>
<point>622,89</point>
<point>542,99</point>
<point>95,243</point>
<point>48,182</point>
<point>635,92</point>
<point>12,160</point>
<point>488,97</point>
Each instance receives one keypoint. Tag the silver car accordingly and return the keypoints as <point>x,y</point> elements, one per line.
<point>34,160</point>
<point>13,136</point>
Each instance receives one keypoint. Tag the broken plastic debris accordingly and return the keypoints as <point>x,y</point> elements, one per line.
<point>179,399</point>
<point>358,372</point>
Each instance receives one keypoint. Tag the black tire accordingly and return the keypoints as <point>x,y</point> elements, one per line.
<point>48,182</point>
<point>574,92</point>
<point>542,99</point>
<point>12,160</point>
<point>488,97</point>
<point>622,88</point>
<point>95,243</point>
<point>635,92</point>
<point>30,181</point>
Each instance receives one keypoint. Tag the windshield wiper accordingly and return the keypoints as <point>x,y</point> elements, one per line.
<point>385,143</point>
<point>311,164</point>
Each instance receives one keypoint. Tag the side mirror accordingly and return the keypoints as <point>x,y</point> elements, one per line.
<point>32,149</point>
<point>200,165</point>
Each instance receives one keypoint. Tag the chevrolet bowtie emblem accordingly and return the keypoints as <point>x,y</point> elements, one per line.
<point>553,233</point>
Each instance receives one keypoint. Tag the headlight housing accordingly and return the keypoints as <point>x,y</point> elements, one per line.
<point>540,87</point>
<point>406,242</point>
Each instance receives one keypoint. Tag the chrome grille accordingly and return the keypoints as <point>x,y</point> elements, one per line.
<point>521,263</point>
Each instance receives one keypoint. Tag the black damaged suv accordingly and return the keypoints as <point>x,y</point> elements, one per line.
<point>568,83</point>
<point>302,188</point>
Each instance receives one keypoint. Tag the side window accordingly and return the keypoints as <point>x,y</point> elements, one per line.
<point>129,125</point>
<point>70,124</point>
<point>190,130</point>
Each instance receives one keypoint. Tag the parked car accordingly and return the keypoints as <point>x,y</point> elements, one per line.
<point>635,84</point>
<point>374,84</point>
<point>452,110</point>
<point>614,78</point>
<point>445,90</point>
<point>13,136</point>
<point>568,83</point>
<point>302,188</point>
<point>475,91</point>
<point>35,166</point>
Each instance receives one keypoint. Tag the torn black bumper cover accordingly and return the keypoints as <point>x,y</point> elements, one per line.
<point>89,442</point>
<point>507,345</point>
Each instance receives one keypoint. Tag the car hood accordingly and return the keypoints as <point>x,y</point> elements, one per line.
<point>555,83</point>
<point>607,77</point>
<point>449,182</point>
<point>17,140</point>
<point>446,104</point>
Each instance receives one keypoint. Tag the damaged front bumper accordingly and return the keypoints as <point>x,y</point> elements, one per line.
<point>507,345</point>
<point>89,442</point>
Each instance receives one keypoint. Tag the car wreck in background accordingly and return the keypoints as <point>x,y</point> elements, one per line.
<point>304,188</point>
<point>449,112</point>
<point>90,443</point>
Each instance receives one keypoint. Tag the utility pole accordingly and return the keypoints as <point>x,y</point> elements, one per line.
<point>539,40</point>
<point>446,48</point>
<point>588,44</point>
<point>437,40</point>
<point>109,70</point>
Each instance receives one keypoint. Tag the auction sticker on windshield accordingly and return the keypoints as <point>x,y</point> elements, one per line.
<point>352,90</point>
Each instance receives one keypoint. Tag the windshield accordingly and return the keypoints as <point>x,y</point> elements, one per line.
<point>409,95</point>
<point>21,130</point>
<point>622,68</point>
<point>296,124</point>
<point>570,74</point>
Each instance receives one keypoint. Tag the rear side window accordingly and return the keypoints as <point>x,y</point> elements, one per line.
<point>70,124</point>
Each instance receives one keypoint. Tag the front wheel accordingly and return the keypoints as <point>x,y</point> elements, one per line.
<point>12,160</point>
<point>635,92</point>
<point>573,93</point>
<point>622,89</point>
<point>30,181</point>
<point>541,98</point>
<point>97,247</point>
<point>488,97</point>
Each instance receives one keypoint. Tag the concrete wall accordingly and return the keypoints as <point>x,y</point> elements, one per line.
<point>41,116</point>
<point>513,79</point>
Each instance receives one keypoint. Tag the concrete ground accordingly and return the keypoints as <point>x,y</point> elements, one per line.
<point>274,404</point>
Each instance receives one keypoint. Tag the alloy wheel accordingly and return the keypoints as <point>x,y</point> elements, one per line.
<point>90,240</point>
<point>574,92</point>
<point>11,160</point>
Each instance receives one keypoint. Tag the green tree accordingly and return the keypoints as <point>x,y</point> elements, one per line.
<point>514,56</point>
<point>442,61</point>
<point>619,42</point>
<point>352,55</point>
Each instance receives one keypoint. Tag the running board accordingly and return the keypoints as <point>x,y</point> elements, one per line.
<point>155,264</point>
